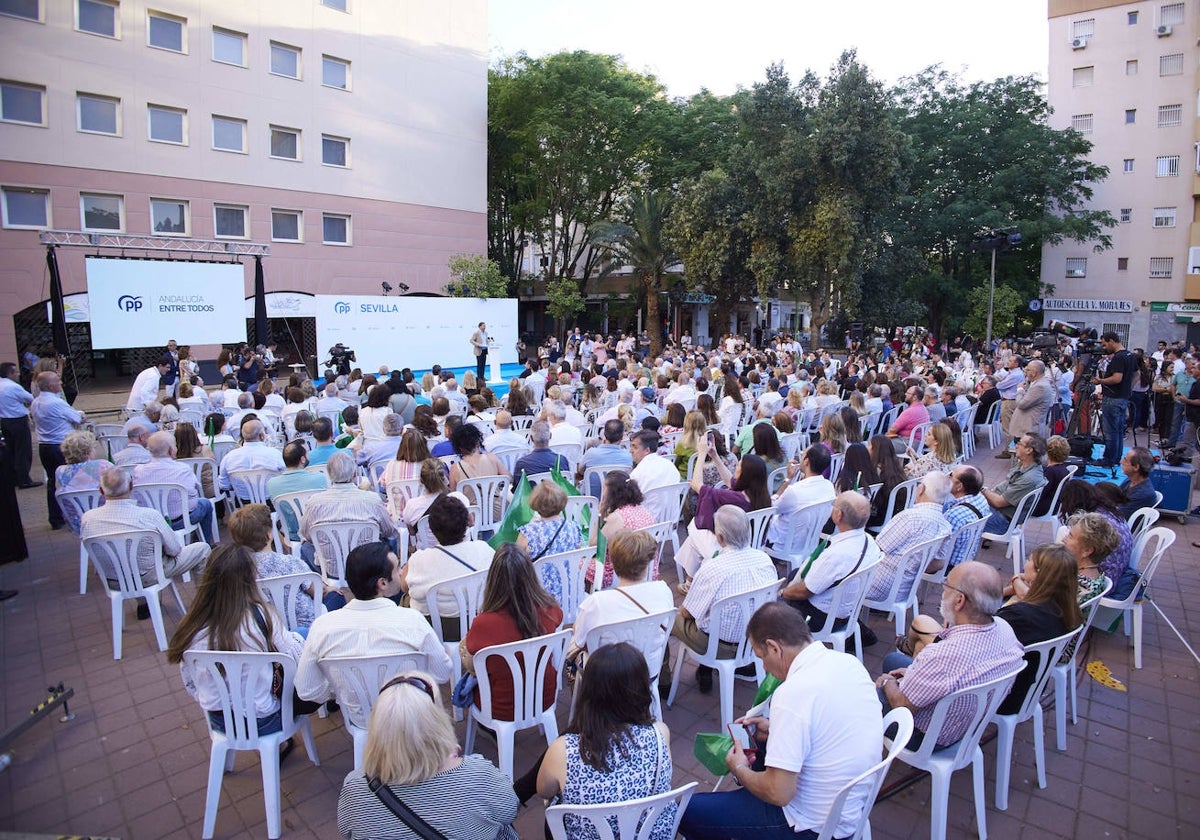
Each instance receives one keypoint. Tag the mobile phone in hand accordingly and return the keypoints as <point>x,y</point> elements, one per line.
<point>741,737</point>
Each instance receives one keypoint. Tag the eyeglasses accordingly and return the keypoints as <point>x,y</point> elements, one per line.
<point>956,589</point>
<point>413,681</point>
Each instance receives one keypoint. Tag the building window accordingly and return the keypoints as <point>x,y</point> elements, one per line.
<point>1082,123</point>
<point>104,213</point>
<point>335,72</point>
<point>1122,263</point>
<point>285,60</point>
<point>166,32</point>
<point>98,114</point>
<point>1122,331</point>
<point>1077,266</point>
<point>1127,165</point>
<point>1131,18</point>
<point>287,225</point>
<point>167,125</point>
<point>22,103</point>
<point>229,47</point>
<point>1126,214</point>
<point>1170,115</point>
<point>168,216</point>
<point>1131,67</point>
<point>1082,76</point>
<point>285,143</point>
<point>335,229</point>
<point>1164,217</point>
<point>26,208</point>
<point>1130,116</point>
<point>98,17</point>
<point>229,134</point>
<point>340,5</point>
<point>1170,14</point>
<point>1085,28</point>
<point>1170,65</point>
<point>335,151</point>
<point>28,9</point>
<point>229,221</point>
<point>1161,267</point>
<point>1166,166</point>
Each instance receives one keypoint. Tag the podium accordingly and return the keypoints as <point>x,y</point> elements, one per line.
<point>493,364</point>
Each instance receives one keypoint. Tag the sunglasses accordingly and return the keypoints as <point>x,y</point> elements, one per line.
<point>413,681</point>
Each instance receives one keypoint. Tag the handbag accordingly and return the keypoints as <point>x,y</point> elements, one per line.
<point>463,696</point>
<point>405,814</point>
<point>276,668</point>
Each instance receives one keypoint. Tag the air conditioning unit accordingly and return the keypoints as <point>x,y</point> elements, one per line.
<point>1079,43</point>
<point>1076,272</point>
<point>1163,31</point>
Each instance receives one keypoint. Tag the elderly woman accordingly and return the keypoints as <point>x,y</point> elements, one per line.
<point>82,470</point>
<point>631,553</point>
<point>1090,538</point>
<point>413,752</point>
<point>1079,496</point>
<point>250,526</point>
<point>549,532</point>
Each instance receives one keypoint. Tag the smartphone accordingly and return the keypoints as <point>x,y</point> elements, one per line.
<point>742,738</point>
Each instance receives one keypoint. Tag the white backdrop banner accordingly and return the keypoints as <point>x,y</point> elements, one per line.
<point>415,332</point>
<point>145,303</point>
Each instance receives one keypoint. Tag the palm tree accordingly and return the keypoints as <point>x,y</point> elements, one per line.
<point>638,240</point>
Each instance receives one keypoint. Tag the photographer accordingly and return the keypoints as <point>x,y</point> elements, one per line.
<point>1117,385</point>
<point>247,370</point>
<point>340,358</point>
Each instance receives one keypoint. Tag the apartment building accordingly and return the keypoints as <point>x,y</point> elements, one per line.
<point>1126,76</point>
<point>349,136</point>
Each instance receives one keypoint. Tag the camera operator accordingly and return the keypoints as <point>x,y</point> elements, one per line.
<point>247,369</point>
<point>1117,385</point>
<point>340,357</point>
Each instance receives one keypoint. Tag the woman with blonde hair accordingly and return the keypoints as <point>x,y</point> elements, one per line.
<point>942,455</point>
<point>858,402</point>
<point>695,429</point>
<point>412,755</point>
<point>470,385</point>
<point>411,454</point>
<point>833,434</point>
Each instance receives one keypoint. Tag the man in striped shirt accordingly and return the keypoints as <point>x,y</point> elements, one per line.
<point>342,502</point>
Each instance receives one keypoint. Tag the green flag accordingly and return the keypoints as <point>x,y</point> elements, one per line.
<point>519,513</point>
<point>710,748</point>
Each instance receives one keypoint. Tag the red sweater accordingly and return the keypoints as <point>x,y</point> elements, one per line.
<point>498,628</point>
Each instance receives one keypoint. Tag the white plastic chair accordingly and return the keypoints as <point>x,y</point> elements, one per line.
<point>972,534</point>
<point>80,502</point>
<point>835,465</point>
<point>636,819</point>
<point>400,492</point>
<point>743,605</point>
<point>467,592</point>
<point>1051,515</point>
<point>521,422</point>
<point>161,496</point>
<point>333,542</point>
<point>570,452</point>
<point>941,763</point>
<point>509,455</point>
<point>902,719</point>
<point>569,566</point>
<point>1141,521</point>
<point>1046,654</point>
<point>803,532</point>
<point>1014,535</point>
<point>585,511</point>
<point>114,557</point>
<point>1153,545</point>
<point>293,502</point>
<point>485,492</point>
<point>199,465</point>
<point>966,422</point>
<point>666,505</point>
<point>992,421</point>
<point>776,478</point>
<point>848,598</point>
<point>902,592</point>
<point>246,671</point>
<point>283,593</point>
<point>760,523</point>
<point>527,661</point>
<point>592,482</point>
<point>907,489</point>
<point>791,444</point>
<point>648,633</point>
<point>250,486</point>
<point>1064,671</point>
<point>662,533</point>
<point>356,681</point>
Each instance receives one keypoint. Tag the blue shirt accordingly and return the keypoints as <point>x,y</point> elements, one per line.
<point>54,418</point>
<point>14,400</point>
<point>604,455</point>
<point>294,481</point>
<point>320,453</point>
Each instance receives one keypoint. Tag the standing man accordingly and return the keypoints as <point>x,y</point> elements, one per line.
<point>171,380</point>
<point>479,344</point>
<point>146,386</point>
<point>1007,386</point>
<point>14,423</point>
<point>1117,385</point>
<point>54,420</point>
<point>1034,399</point>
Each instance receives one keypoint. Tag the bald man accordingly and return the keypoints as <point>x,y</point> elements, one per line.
<point>253,454</point>
<point>162,468</point>
<point>1034,399</point>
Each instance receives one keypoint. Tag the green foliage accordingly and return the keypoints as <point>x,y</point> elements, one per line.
<point>563,300</point>
<point>476,276</point>
<point>1006,310</point>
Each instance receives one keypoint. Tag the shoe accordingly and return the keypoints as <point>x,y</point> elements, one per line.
<point>746,671</point>
<point>57,526</point>
<point>332,707</point>
<point>664,691</point>
<point>985,544</point>
<point>684,587</point>
<point>5,594</point>
<point>29,484</point>
<point>285,749</point>
<point>704,679</point>
<point>143,612</point>
<point>868,635</point>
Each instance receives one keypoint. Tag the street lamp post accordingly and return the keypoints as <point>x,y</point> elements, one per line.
<point>995,240</point>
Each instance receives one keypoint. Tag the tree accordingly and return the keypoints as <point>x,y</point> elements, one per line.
<point>1006,310</point>
<point>476,276</point>
<point>638,240</point>
<point>563,301</point>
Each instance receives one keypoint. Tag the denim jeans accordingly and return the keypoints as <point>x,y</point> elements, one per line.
<point>736,814</point>
<point>1113,414</point>
<point>1176,424</point>
<point>205,514</point>
<point>997,523</point>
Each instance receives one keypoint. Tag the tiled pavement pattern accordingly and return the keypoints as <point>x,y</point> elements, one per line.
<point>133,762</point>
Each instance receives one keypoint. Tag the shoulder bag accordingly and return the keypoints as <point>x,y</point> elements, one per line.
<point>405,814</point>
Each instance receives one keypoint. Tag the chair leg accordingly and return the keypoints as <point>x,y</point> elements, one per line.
<point>118,623</point>
<point>216,770</point>
<point>156,618</point>
<point>1005,724</point>
<point>725,675</point>
<point>1072,678</point>
<point>1060,709</point>
<point>83,570</point>
<point>1137,635</point>
<point>269,758</point>
<point>939,801</point>
<point>310,746</point>
<point>980,805</point>
<point>504,749</point>
<point>1039,745</point>
<point>469,737</point>
<point>682,654</point>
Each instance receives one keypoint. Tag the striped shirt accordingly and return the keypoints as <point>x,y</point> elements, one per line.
<point>169,471</point>
<point>959,514</point>
<point>918,524</point>
<point>731,572</point>
<point>126,515</point>
<point>345,503</point>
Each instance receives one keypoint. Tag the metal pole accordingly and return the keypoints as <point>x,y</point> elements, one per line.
<point>991,302</point>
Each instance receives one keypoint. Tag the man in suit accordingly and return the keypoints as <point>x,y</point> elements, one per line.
<point>479,343</point>
<point>1034,399</point>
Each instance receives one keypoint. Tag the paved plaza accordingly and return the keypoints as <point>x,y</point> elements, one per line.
<point>133,762</point>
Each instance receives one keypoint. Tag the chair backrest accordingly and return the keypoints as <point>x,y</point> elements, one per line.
<point>400,491</point>
<point>635,819</point>
<point>1141,520</point>
<point>888,418</point>
<point>742,606</point>
<point>593,478</point>
<point>985,698</point>
<point>835,465</point>
<point>970,536</point>
<point>1043,656</point>
<point>666,503</point>
<point>79,501</point>
<point>521,422</point>
<point>484,492</point>
<point>568,568</point>
<point>776,478</point>
<point>293,502</point>
<point>509,455</point>
<point>356,680</point>
<point>912,562</point>
<point>871,780</point>
<point>527,661</point>
<point>1147,554</point>
<point>284,593</point>
<point>113,443</point>
<point>906,490</point>
<point>790,444</point>
<point>115,558</point>
<point>661,532</point>
<point>467,592</point>
<point>237,676</point>
<point>803,529</point>
<point>1053,506</point>
<point>251,484</point>
<point>333,542</point>
<point>760,522</point>
<point>1024,507</point>
<point>648,633</point>
<point>163,496</point>
<point>570,452</point>
<point>847,601</point>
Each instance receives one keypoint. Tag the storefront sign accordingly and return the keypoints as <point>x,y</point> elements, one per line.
<point>1164,306</point>
<point>1087,305</point>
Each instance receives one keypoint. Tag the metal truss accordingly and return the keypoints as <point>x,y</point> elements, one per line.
<point>160,244</point>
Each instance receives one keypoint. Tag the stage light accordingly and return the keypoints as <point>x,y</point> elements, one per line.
<point>387,287</point>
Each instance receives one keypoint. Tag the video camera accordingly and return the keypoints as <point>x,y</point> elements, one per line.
<point>340,358</point>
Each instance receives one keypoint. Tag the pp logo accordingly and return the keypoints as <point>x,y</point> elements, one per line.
<point>341,307</point>
<point>129,303</point>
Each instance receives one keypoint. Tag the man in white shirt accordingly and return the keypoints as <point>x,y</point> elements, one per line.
<point>651,470</point>
<point>561,432</point>
<point>253,454</point>
<point>370,624</point>
<point>683,393</point>
<point>331,402</point>
<point>793,495</point>
<point>146,387</point>
<point>456,397</point>
<point>770,400</point>
<point>504,437</point>
<point>823,732</point>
